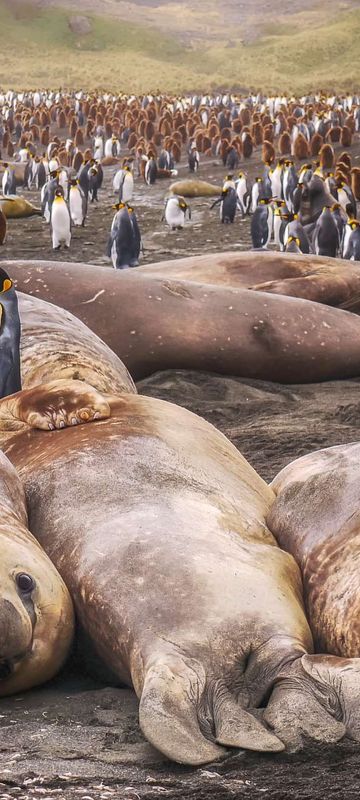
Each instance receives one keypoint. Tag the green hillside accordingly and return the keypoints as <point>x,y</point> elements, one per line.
<point>296,54</point>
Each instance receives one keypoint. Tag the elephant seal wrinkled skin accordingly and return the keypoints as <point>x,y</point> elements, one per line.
<point>178,582</point>
<point>194,188</point>
<point>15,207</point>
<point>154,324</point>
<point>316,517</point>
<point>36,615</point>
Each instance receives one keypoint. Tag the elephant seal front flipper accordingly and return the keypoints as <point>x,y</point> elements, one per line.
<point>54,405</point>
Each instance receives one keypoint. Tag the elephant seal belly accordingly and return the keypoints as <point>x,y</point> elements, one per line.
<point>157,525</point>
<point>316,517</point>
<point>36,614</point>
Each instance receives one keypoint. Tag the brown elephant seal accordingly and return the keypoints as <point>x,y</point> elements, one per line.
<point>331,281</point>
<point>316,518</point>
<point>218,329</point>
<point>178,582</point>
<point>36,615</point>
<point>15,207</point>
<point>194,188</point>
<point>36,619</point>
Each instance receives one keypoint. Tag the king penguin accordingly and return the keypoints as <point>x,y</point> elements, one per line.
<point>60,221</point>
<point>326,235</point>
<point>9,180</point>
<point>77,203</point>
<point>175,212</point>
<point>10,379</point>
<point>243,193</point>
<point>124,241</point>
<point>262,224</point>
<point>228,201</point>
<point>351,245</point>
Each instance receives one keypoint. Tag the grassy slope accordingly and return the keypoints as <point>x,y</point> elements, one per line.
<point>297,56</point>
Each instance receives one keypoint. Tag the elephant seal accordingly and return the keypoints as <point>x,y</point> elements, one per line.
<point>316,518</point>
<point>36,614</point>
<point>15,207</point>
<point>180,586</point>
<point>219,329</point>
<point>318,278</point>
<point>194,188</point>
<point>36,618</point>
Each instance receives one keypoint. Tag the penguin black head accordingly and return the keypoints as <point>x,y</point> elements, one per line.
<point>59,192</point>
<point>54,173</point>
<point>119,206</point>
<point>229,178</point>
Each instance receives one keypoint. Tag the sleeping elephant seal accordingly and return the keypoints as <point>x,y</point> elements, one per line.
<point>18,208</point>
<point>36,618</point>
<point>178,582</point>
<point>194,188</point>
<point>36,615</point>
<point>331,281</point>
<point>156,324</point>
<point>316,517</point>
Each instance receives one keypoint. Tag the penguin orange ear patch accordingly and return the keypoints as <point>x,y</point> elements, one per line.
<point>7,284</point>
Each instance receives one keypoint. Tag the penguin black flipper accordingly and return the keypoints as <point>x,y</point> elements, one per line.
<point>218,200</point>
<point>110,242</point>
<point>121,187</point>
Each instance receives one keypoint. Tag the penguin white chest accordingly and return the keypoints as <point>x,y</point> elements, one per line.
<point>76,206</point>
<point>174,215</point>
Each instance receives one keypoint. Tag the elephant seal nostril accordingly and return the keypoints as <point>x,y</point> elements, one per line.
<point>6,669</point>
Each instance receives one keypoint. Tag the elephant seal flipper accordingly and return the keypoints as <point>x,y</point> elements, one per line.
<point>171,721</point>
<point>316,698</point>
<point>54,405</point>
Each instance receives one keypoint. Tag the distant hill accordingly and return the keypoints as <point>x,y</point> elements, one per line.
<point>177,45</point>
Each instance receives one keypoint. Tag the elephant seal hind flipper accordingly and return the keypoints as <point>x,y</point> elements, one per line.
<point>54,405</point>
<point>36,613</point>
<point>316,697</point>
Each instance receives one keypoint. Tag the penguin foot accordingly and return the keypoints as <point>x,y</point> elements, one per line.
<point>54,405</point>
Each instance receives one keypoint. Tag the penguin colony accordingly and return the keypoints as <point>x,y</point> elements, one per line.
<point>59,144</point>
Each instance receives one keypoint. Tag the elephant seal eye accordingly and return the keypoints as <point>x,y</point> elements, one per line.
<point>25,582</point>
